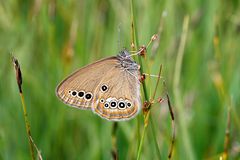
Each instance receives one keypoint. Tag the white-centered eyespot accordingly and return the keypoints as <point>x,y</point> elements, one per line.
<point>106,105</point>
<point>113,104</point>
<point>121,105</point>
<point>104,88</point>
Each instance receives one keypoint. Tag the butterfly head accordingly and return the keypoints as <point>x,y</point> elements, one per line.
<point>126,61</point>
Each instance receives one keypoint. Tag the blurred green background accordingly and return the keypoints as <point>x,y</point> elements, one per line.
<point>53,38</point>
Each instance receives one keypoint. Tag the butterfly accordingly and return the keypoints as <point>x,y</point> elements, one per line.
<point>109,87</point>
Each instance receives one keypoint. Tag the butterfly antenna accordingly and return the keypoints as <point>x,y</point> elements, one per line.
<point>119,37</point>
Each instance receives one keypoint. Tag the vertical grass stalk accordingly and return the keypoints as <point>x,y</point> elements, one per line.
<point>24,108</point>
<point>220,87</point>
<point>114,141</point>
<point>27,125</point>
<point>134,46</point>
<point>227,134</point>
<point>146,112</point>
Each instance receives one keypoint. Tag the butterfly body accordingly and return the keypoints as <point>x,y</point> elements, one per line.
<point>109,87</point>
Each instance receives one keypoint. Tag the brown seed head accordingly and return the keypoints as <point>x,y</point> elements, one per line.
<point>143,51</point>
<point>142,78</point>
<point>18,73</point>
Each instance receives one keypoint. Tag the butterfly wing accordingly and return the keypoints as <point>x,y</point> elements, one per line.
<point>106,86</point>
<point>77,90</point>
<point>121,99</point>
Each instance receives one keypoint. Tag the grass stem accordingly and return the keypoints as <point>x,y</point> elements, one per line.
<point>114,141</point>
<point>146,112</point>
<point>27,125</point>
<point>227,134</point>
<point>24,108</point>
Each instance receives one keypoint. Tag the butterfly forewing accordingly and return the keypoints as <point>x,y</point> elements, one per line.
<point>77,89</point>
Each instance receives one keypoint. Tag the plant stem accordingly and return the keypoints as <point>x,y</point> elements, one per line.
<point>134,45</point>
<point>24,108</point>
<point>227,134</point>
<point>27,125</point>
<point>114,141</point>
<point>155,140</point>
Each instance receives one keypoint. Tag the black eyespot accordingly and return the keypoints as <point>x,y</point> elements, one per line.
<point>88,96</point>
<point>129,104</point>
<point>80,94</point>
<point>74,93</point>
<point>101,100</point>
<point>106,105</point>
<point>69,91</point>
<point>113,104</point>
<point>104,88</point>
<point>121,105</point>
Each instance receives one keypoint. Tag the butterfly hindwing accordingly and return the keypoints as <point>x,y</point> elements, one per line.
<point>118,95</point>
<point>77,90</point>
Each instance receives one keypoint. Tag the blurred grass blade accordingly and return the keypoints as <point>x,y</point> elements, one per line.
<point>177,92</point>
<point>154,139</point>
<point>227,134</point>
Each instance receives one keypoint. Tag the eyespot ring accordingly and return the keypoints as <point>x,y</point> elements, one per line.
<point>102,100</point>
<point>128,103</point>
<point>104,88</point>
<point>122,105</point>
<point>73,93</point>
<point>113,104</point>
<point>81,94</point>
<point>88,96</point>
<point>106,105</point>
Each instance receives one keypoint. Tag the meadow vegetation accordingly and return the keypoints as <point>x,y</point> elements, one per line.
<point>197,45</point>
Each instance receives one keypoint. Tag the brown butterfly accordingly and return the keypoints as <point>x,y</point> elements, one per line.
<point>109,87</point>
